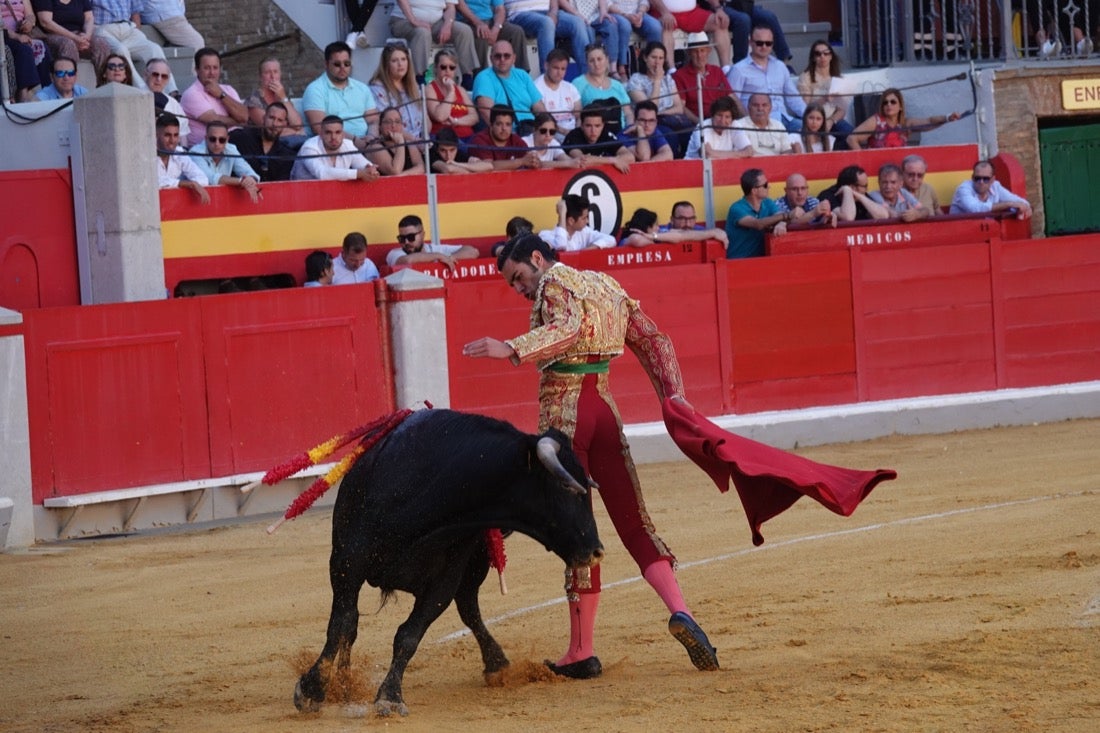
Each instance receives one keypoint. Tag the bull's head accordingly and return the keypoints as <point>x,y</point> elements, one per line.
<point>580,545</point>
<point>547,450</point>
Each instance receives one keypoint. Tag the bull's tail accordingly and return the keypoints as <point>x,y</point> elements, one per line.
<point>367,435</point>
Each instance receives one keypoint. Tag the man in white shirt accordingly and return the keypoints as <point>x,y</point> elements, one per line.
<point>177,171</point>
<point>559,96</point>
<point>331,157</point>
<point>767,135</point>
<point>157,75</point>
<point>352,266</point>
<point>412,247</point>
<point>572,233</point>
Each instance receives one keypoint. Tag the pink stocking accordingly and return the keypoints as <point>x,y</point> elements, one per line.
<point>659,575</point>
<point>582,622</point>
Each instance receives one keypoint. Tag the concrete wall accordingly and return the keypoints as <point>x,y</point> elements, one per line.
<point>16,518</point>
<point>44,144</point>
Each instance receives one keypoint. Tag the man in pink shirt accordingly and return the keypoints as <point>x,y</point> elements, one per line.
<point>208,100</point>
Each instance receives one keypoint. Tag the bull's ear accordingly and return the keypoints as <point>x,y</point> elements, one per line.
<point>547,450</point>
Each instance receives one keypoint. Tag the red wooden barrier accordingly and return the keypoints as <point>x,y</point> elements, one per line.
<point>157,392</point>
<point>891,234</point>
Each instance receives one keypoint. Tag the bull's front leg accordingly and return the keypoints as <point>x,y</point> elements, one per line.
<point>343,626</point>
<point>469,610</point>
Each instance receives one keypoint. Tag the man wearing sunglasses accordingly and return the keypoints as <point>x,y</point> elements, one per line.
<point>503,83</point>
<point>222,163</point>
<point>412,248</point>
<point>64,84</point>
<point>913,170</point>
<point>157,76</point>
<point>983,193</point>
<point>760,72</point>
<point>335,92</point>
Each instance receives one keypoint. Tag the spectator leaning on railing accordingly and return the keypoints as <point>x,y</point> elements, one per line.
<point>983,192</point>
<point>177,170</point>
<point>894,197</point>
<point>331,157</point>
<point>573,233</point>
<point>913,169</point>
<point>751,217</point>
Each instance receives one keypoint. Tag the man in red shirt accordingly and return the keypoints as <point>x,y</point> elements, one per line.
<point>696,69</point>
<point>505,149</point>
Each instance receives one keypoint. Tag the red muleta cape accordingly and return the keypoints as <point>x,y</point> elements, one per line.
<point>768,480</point>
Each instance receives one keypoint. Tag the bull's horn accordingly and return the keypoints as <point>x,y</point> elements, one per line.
<point>547,450</point>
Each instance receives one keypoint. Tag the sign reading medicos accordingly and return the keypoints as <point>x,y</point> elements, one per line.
<point>1081,94</point>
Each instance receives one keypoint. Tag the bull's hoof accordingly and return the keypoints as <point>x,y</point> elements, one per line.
<point>304,703</point>
<point>386,708</point>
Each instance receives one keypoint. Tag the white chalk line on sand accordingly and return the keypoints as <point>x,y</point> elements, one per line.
<point>787,543</point>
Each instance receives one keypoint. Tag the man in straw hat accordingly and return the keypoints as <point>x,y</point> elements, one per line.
<point>696,74</point>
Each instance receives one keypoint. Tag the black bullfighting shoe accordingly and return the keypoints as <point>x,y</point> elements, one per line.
<point>684,629</point>
<point>585,669</point>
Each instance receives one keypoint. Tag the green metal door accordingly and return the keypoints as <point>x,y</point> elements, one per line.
<point>1070,165</point>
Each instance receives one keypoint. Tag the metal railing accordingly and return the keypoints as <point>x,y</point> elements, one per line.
<point>885,32</point>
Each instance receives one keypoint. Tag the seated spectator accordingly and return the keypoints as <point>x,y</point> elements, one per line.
<point>914,169</point>
<point>983,192</point>
<point>319,269</point>
<point>395,152</point>
<point>422,22</point>
<point>115,69</point>
<point>64,84</point>
<point>487,18</point>
<point>822,85</point>
<point>331,157</point>
<point>352,266</point>
<point>642,229</point>
<point>412,249</point>
<point>114,23</point>
<point>692,17</point>
<point>752,216</point>
<point>207,99</point>
<point>655,85</point>
<point>499,144</point>
<point>743,16</point>
<point>766,135</point>
<point>543,140</point>
<point>814,137</point>
<point>31,55</point>
<point>336,93</point>
<point>608,30</point>
<point>167,16</point>
<point>394,85</point>
<point>221,162</point>
<point>683,227</point>
<point>444,156</point>
<point>449,104</point>
<point>890,128</point>
<point>598,87</point>
<point>848,197</point>
<point>559,97</point>
<point>762,73</point>
<point>503,83</point>
<point>69,27</point>
<point>717,137</point>
<point>157,75</point>
<point>897,200</point>
<point>637,16</point>
<point>594,145</point>
<point>516,226</point>
<point>804,208</point>
<point>174,168</point>
<point>263,147</point>
<point>701,83</point>
<point>269,91</point>
<point>572,233</point>
<point>545,21</point>
<point>645,139</point>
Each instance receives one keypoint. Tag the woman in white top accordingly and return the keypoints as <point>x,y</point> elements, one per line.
<point>822,82</point>
<point>543,140</point>
<point>814,137</point>
<point>657,86</point>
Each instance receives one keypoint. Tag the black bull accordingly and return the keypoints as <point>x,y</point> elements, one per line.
<point>411,516</point>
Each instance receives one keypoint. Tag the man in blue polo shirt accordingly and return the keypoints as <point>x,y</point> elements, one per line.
<point>753,215</point>
<point>335,92</point>
<point>502,83</point>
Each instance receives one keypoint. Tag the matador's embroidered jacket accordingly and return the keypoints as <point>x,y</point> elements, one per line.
<point>579,317</point>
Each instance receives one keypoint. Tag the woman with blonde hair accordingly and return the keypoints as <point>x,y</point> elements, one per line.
<point>449,104</point>
<point>394,85</point>
<point>890,128</point>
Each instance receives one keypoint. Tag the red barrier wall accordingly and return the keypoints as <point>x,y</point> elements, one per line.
<point>157,392</point>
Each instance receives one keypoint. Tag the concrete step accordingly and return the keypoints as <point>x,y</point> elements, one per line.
<point>788,11</point>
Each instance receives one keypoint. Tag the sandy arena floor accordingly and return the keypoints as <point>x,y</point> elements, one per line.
<point>964,596</point>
